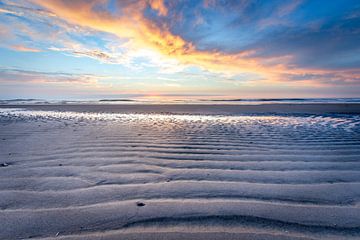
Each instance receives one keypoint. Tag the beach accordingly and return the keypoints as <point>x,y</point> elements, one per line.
<point>180,171</point>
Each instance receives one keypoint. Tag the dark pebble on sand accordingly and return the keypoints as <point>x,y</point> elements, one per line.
<point>140,204</point>
<point>60,164</point>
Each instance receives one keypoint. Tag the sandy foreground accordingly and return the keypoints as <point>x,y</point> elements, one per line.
<point>279,171</point>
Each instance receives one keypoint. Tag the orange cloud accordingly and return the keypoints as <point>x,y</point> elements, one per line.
<point>22,48</point>
<point>145,34</point>
<point>159,6</point>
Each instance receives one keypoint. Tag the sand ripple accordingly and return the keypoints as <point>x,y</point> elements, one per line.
<point>82,175</point>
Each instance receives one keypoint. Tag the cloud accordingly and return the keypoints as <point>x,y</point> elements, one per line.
<point>159,5</point>
<point>280,52</point>
<point>2,10</point>
<point>333,45</point>
<point>22,9</point>
<point>43,29</point>
<point>22,48</point>
<point>288,8</point>
<point>328,78</point>
<point>94,54</point>
<point>144,33</point>
<point>11,75</point>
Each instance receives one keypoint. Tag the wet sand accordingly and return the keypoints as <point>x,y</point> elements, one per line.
<point>311,108</point>
<point>197,172</point>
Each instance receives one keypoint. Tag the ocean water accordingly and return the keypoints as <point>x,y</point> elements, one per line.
<point>245,101</point>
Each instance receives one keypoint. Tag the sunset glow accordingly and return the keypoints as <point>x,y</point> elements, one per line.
<point>209,49</point>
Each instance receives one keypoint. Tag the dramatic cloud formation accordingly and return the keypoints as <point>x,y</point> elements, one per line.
<point>196,45</point>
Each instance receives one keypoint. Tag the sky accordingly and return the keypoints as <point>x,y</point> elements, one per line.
<point>190,49</point>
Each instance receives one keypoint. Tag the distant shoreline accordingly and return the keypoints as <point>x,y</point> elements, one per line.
<point>276,108</point>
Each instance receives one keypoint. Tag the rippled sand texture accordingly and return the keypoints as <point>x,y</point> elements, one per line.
<point>150,176</point>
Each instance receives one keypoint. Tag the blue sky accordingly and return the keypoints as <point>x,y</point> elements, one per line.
<point>179,49</point>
